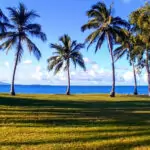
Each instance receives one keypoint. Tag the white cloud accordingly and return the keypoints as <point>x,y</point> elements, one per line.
<point>28,62</point>
<point>95,67</point>
<point>128,76</point>
<point>94,75</point>
<point>88,61</point>
<point>7,64</point>
<point>38,74</point>
<point>145,77</point>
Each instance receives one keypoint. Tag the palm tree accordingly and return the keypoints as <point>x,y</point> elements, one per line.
<point>22,28</point>
<point>141,19</point>
<point>66,52</point>
<point>127,47</point>
<point>104,26</point>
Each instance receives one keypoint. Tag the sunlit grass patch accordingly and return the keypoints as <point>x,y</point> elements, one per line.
<point>33,122</point>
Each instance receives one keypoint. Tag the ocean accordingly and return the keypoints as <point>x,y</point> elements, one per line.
<point>44,89</point>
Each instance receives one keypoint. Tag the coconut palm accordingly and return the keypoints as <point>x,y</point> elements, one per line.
<point>22,29</point>
<point>66,52</point>
<point>104,26</point>
<point>127,48</point>
<point>141,19</point>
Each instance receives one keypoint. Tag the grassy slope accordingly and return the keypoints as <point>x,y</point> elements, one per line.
<point>45,122</point>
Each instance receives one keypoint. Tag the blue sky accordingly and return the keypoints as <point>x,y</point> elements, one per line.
<point>67,16</point>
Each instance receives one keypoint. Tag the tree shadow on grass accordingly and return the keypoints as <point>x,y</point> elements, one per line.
<point>96,138</point>
<point>75,113</point>
<point>39,113</point>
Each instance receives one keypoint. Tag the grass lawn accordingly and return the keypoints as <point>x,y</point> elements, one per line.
<point>80,122</point>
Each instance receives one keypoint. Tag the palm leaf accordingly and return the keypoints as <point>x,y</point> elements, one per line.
<point>3,17</point>
<point>33,48</point>
<point>100,42</point>
<point>92,38</point>
<point>92,24</point>
<point>119,52</point>
<point>7,45</point>
<point>39,35</point>
<point>58,67</point>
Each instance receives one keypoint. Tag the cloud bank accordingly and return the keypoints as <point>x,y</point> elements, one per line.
<point>94,75</point>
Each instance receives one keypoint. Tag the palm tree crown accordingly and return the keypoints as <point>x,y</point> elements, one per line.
<point>103,24</point>
<point>21,30</point>
<point>67,50</point>
<point>126,46</point>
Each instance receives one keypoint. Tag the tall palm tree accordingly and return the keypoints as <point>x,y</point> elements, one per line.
<point>66,52</point>
<point>141,19</point>
<point>104,26</point>
<point>22,29</point>
<point>127,48</point>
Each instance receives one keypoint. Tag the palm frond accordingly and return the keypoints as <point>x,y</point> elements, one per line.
<point>65,39</point>
<point>92,38</point>
<point>58,48</point>
<point>100,41</point>
<point>7,45</point>
<point>30,15</point>
<point>58,67</point>
<point>3,17</point>
<point>110,10</point>
<point>73,60</point>
<point>38,34</point>
<point>14,15</point>
<point>92,24</point>
<point>93,13</point>
<point>119,52</point>
<point>73,44</point>
<point>77,47</point>
<point>101,7</point>
<point>33,48</point>
<point>53,58</point>
<point>77,59</point>
<point>6,35</point>
<point>33,27</point>
<point>53,62</point>
<point>80,62</point>
<point>117,21</point>
<point>4,22</point>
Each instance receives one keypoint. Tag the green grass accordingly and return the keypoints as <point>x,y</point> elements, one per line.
<point>80,122</point>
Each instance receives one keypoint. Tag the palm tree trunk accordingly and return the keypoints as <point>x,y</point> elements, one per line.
<point>112,93</point>
<point>68,72</point>
<point>12,90</point>
<point>148,72</point>
<point>135,80</point>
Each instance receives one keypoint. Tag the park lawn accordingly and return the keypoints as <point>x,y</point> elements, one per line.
<point>77,122</point>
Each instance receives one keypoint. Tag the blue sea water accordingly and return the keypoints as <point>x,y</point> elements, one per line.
<point>40,89</point>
